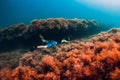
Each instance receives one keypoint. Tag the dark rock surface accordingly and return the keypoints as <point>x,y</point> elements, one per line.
<point>22,36</point>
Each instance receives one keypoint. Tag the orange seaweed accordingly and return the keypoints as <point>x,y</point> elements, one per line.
<point>98,60</point>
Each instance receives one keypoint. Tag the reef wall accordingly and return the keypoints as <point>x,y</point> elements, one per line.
<point>96,59</point>
<point>22,36</point>
<point>12,37</point>
<point>60,28</point>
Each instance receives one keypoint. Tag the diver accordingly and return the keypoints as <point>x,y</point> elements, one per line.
<point>49,43</point>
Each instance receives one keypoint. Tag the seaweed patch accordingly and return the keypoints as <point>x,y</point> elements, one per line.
<point>97,58</point>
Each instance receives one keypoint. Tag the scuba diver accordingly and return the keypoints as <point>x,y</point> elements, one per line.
<point>49,43</point>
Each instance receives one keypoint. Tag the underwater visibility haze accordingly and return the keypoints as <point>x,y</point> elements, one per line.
<point>59,40</point>
<point>24,11</point>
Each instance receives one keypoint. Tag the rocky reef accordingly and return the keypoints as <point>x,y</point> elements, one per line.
<point>22,36</point>
<point>95,59</point>
<point>84,57</point>
<point>12,37</point>
<point>60,28</point>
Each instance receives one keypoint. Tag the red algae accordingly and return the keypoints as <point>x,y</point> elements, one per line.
<point>96,59</point>
<point>115,75</point>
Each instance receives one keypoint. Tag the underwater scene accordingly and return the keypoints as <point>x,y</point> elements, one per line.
<point>59,40</point>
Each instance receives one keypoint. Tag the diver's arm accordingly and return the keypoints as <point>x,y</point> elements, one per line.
<point>43,40</point>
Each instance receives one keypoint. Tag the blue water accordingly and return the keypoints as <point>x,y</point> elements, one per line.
<point>24,11</point>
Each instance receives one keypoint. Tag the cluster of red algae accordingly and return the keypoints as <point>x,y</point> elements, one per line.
<point>115,75</point>
<point>97,59</point>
